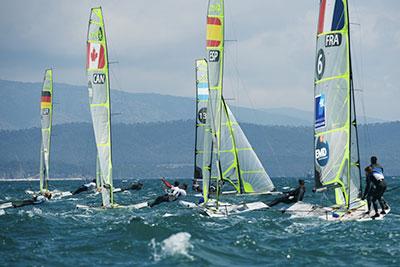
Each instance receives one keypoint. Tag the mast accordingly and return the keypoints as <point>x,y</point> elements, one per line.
<point>353,119</point>
<point>100,101</point>
<point>46,116</point>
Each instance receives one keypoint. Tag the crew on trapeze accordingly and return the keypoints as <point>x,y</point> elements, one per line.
<point>291,196</point>
<point>173,192</point>
<point>196,186</point>
<point>35,200</point>
<point>92,186</point>
<point>375,188</point>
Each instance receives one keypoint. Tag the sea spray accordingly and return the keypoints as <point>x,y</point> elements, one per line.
<point>175,245</point>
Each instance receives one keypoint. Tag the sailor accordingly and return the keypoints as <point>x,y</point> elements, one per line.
<point>374,189</point>
<point>37,199</point>
<point>85,187</point>
<point>376,167</point>
<point>174,192</point>
<point>198,175</point>
<point>291,196</point>
<point>133,186</point>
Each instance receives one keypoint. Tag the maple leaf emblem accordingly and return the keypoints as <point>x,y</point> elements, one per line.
<point>93,55</point>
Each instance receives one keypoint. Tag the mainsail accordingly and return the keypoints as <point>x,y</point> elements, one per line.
<point>201,115</point>
<point>228,156</point>
<point>99,99</point>
<point>336,143</point>
<point>46,114</point>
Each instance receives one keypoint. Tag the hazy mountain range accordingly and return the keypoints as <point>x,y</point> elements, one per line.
<point>20,108</point>
<point>144,150</point>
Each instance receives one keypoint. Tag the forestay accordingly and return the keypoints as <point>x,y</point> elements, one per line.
<point>99,99</point>
<point>46,115</point>
<point>336,147</point>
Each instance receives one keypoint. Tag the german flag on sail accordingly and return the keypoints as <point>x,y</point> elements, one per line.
<point>45,100</point>
<point>214,32</point>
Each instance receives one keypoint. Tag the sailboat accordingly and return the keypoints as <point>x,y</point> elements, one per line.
<point>336,157</point>
<point>46,116</point>
<point>228,159</point>
<point>99,100</point>
<point>46,120</point>
<point>100,107</point>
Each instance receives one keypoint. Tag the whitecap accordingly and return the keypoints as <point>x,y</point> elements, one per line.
<point>175,245</point>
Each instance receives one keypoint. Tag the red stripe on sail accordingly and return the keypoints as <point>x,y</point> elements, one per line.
<point>102,60</point>
<point>321,19</point>
<point>87,54</point>
<point>213,43</point>
<point>213,21</point>
<point>46,99</point>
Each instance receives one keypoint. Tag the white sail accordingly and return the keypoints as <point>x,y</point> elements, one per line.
<point>99,99</point>
<point>46,115</point>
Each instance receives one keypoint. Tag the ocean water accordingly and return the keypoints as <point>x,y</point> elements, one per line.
<point>57,234</point>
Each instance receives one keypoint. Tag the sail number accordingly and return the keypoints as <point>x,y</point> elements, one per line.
<point>320,64</point>
<point>202,115</point>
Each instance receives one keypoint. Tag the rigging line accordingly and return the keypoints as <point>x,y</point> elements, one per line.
<point>361,81</point>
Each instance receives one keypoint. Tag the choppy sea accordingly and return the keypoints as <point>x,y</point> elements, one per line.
<point>57,234</point>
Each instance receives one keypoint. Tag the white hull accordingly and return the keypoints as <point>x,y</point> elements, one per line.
<point>225,209</point>
<point>305,210</point>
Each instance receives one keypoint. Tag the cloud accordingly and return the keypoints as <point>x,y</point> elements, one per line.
<point>270,64</point>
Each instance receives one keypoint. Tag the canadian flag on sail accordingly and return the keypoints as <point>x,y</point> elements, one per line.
<point>95,56</point>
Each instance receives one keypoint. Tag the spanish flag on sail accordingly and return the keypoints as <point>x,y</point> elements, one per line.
<point>45,100</point>
<point>214,32</point>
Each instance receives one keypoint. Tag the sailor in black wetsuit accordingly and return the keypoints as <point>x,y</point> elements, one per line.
<point>85,187</point>
<point>34,201</point>
<point>175,191</point>
<point>133,186</point>
<point>376,167</point>
<point>374,189</point>
<point>291,196</point>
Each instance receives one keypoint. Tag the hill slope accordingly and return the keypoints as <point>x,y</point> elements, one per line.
<point>155,149</point>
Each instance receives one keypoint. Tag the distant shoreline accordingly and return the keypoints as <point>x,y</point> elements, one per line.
<point>37,179</point>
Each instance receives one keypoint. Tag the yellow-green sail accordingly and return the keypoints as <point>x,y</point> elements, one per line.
<point>227,155</point>
<point>336,143</point>
<point>46,115</point>
<point>99,99</point>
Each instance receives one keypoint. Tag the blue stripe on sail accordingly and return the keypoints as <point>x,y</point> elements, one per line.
<point>338,16</point>
<point>202,85</point>
<point>202,97</point>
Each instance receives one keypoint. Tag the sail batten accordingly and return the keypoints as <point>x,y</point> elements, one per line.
<point>46,117</point>
<point>99,100</point>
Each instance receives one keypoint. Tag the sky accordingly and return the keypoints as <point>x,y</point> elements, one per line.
<point>269,58</point>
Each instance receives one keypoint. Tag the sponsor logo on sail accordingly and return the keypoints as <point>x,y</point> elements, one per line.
<point>334,39</point>
<point>99,78</point>
<point>320,110</point>
<point>322,151</point>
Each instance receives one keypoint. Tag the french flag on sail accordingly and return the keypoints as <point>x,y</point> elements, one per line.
<point>331,16</point>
